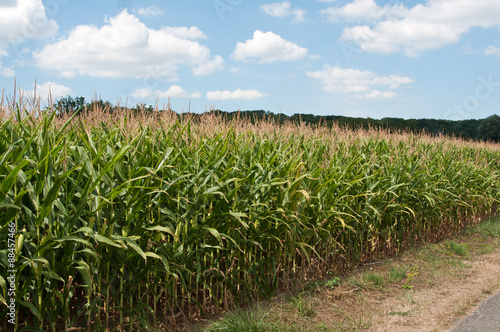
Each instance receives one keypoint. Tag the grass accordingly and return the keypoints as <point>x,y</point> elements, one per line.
<point>456,248</point>
<point>302,305</point>
<point>148,220</point>
<point>489,228</point>
<point>375,279</point>
<point>400,313</point>
<point>238,320</point>
<point>398,273</point>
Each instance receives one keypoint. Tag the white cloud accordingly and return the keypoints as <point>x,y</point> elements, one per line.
<point>358,9</point>
<point>284,9</point>
<point>173,91</point>
<point>150,11</point>
<point>53,90</point>
<point>6,72</point>
<point>126,47</point>
<point>209,66</point>
<point>376,94</point>
<point>299,15</point>
<point>268,47</point>
<point>21,20</point>
<point>277,9</point>
<point>365,84</point>
<point>237,94</point>
<point>143,93</point>
<point>184,32</point>
<point>417,29</point>
<point>492,50</point>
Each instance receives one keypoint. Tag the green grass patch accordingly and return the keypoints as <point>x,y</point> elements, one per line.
<point>490,227</point>
<point>238,320</point>
<point>456,248</point>
<point>398,273</point>
<point>375,279</point>
<point>302,305</point>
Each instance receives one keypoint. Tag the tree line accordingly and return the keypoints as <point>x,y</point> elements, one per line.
<point>485,129</point>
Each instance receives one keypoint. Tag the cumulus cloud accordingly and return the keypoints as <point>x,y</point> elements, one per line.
<point>284,9</point>
<point>363,84</point>
<point>126,47</point>
<point>150,11</point>
<point>21,20</point>
<point>237,94</point>
<point>173,91</point>
<point>53,90</point>
<point>413,30</point>
<point>209,67</point>
<point>268,47</point>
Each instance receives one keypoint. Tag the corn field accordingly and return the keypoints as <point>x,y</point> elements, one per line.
<point>138,222</point>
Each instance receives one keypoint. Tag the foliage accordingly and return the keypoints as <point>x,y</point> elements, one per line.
<point>489,128</point>
<point>68,105</point>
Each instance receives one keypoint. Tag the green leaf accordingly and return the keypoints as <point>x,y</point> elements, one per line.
<point>9,181</point>
<point>32,308</point>
<point>134,246</point>
<point>103,239</point>
<point>215,233</point>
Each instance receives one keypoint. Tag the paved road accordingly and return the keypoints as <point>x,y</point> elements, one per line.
<point>485,319</point>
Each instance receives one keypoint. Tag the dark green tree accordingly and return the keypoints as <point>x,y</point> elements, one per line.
<point>489,128</point>
<point>69,105</point>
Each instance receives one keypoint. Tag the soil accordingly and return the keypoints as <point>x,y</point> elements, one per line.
<point>440,307</point>
<point>438,299</point>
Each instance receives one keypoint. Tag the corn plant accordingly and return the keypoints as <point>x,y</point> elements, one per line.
<point>124,221</point>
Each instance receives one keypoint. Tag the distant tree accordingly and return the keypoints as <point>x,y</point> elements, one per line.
<point>100,104</point>
<point>142,107</point>
<point>68,105</point>
<point>489,128</point>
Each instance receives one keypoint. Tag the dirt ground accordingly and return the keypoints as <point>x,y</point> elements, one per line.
<point>443,291</point>
<point>439,307</point>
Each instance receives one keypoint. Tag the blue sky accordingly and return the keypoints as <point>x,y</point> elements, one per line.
<point>364,58</point>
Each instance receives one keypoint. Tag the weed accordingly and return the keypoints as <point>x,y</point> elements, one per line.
<point>330,284</point>
<point>409,278</point>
